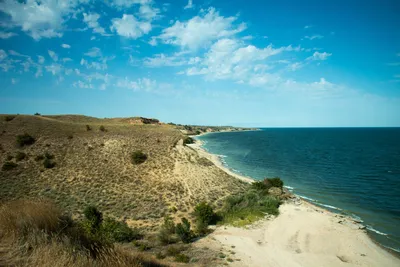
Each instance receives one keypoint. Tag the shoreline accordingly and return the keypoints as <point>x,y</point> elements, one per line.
<point>346,221</point>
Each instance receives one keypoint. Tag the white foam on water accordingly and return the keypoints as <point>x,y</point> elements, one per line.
<point>329,206</point>
<point>307,198</point>
<point>376,231</point>
<point>288,187</point>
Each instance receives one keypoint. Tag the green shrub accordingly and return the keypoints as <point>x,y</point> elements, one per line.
<point>188,140</point>
<point>204,213</point>
<point>167,231</point>
<point>9,157</point>
<point>88,128</point>
<point>182,258</point>
<point>70,136</point>
<point>37,114</point>
<point>138,157</point>
<point>25,140</point>
<point>20,156</point>
<point>9,165</point>
<point>102,128</point>
<point>174,250</point>
<point>9,117</point>
<point>260,186</point>
<point>248,207</point>
<point>276,182</point>
<point>94,218</point>
<point>183,231</point>
<point>48,163</point>
<point>119,231</point>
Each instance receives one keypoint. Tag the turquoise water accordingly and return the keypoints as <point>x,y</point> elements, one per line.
<point>355,171</point>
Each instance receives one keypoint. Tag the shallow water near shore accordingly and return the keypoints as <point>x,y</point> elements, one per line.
<point>354,171</point>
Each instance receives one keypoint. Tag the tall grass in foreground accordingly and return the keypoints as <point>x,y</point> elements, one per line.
<point>38,234</point>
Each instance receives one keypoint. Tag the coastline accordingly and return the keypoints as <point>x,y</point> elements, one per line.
<point>316,224</point>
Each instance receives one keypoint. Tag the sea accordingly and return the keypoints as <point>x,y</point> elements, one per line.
<point>351,171</point>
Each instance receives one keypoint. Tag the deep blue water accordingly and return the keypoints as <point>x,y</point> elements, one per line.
<point>355,171</point>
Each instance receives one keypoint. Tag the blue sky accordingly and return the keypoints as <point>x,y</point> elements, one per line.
<point>249,63</point>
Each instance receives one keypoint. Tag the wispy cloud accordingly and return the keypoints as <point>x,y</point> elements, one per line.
<point>6,35</point>
<point>319,56</point>
<point>312,37</point>
<point>66,46</point>
<point>189,5</point>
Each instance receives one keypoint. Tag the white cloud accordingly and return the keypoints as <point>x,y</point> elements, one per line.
<point>6,35</point>
<point>91,20</point>
<point>319,56</point>
<point>308,26</point>
<point>312,37</point>
<point>81,84</point>
<point>94,65</point>
<point>148,12</point>
<point>94,52</point>
<point>66,59</point>
<point>153,41</point>
<point>295,66</point>
<point>143,84</point>
<point>39,19</point>
<point>53,55</point>
<point>129,3</point>
<point>229,59</point>
<point>128,26</point>
<point>41,59</point>
<point>14,81</point>
<point>66,46</point>
<point>162,60</point>
<point>39,72</point>
<point>54,68</point>
<point>189,5</point>
<point>247,37</point>
<point>16,54</point>
<point>3,54</point>
<point>201,30</point>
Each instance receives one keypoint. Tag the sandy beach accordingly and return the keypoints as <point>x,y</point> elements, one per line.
<point>302,235</point>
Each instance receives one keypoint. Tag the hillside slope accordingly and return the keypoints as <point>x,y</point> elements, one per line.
<point>94,167</point>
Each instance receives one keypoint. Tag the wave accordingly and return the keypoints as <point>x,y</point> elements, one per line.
<point>308,198</point>
<point>329,206</point>
<point>288,187</point>
<point>376,231</point>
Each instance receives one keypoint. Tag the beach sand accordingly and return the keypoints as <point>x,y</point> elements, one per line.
<point>302,235</point>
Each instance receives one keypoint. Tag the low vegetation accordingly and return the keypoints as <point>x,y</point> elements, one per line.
<point>102,128</point>
<point>138,157</point>
<point>20,156</point>
<point>25,140</point>
<point>39,234</point>
<point>255,203</point>
<point>188,140</point>
<point>9,165</point>
<point>9,117</point>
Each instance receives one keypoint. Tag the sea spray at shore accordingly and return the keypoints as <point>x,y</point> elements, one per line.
<point>355,172</point>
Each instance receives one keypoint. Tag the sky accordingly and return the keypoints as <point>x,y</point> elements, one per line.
<point>256,63</point>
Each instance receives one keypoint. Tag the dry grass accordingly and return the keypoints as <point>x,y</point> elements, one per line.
<point>37,234</point>
<point>95,168</point>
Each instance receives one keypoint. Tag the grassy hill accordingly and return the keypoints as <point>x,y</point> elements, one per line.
<point>95,167</point>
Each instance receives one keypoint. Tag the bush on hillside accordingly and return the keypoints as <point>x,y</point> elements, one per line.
<point>188,140</point>
<point>183,231</point>
<point>138,157</point>
<point>102,128</point>
<point>20,156</point>
<point>48,163</point>
<point>88,128</point>
<point>37,114</point>
<point>119,231</point>
<point>39,157</point>
<point>248,207</point>
<point>205,213</point>
<point>275,182</point>
<point>9,117</point>
<point>8,165</point>
<point>93,218</point>
<point>25,140</point>
<point>167,231</point>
